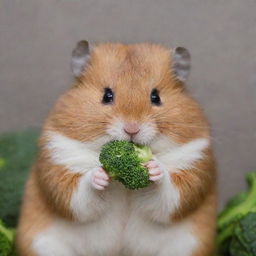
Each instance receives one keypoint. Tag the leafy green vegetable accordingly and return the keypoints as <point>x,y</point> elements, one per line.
<point>2,163</point>
<point>17,151</point>
<point>6,240</point>
<point>232,219</point>
<point>124,160</point>
<point>244,238</point>
<point>236,200</point>
<point>241,204</point>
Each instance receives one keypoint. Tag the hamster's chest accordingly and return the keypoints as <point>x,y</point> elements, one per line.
<point>121,231</point>
<point>110,233</point>
<point>120,228</point>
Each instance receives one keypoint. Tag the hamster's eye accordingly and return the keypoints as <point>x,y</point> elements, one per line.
<point>108,96</point>
<point>154,97</point>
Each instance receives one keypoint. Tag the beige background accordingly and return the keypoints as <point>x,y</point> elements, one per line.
<point>37,37</point>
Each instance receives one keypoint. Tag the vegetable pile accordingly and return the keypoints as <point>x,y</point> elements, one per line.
<point>123,161</point>
<point>6,240</point>
<point>237,223</point>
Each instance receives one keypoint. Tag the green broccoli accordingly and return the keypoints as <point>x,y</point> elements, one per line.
<point>244,238</point>
<point>123,161</point>
<point>6,240</point>
<point>237,208</point>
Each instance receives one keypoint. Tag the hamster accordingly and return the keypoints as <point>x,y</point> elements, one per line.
<point>71,207</point>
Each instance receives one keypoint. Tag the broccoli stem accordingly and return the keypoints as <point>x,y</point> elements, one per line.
<point>249,204</point>
<point>9,233</point>
<point>225,234</point>
<point>144,153</point>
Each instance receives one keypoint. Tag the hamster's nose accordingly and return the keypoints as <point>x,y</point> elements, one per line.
<point>131,128</point>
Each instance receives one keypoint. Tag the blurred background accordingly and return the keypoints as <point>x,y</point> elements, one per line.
<point>37,37</point>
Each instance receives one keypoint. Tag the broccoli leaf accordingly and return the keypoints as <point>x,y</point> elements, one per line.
<point>236,209</point>
<point>244,238</point>
<point>236,200</point>
<point>241,205</point>
<point>6,240</point>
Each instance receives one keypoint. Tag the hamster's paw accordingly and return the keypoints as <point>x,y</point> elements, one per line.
<point>155,170</point>
<point>99,178</point>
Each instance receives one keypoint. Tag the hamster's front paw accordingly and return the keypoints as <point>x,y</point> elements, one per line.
<point>155,170</point>
<point>99,178</point>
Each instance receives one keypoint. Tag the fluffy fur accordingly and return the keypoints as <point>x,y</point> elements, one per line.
<point>63,211</point>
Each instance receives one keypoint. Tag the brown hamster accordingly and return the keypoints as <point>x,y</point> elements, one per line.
<point>72,208</point>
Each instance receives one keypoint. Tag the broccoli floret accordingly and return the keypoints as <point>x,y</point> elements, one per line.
<point>241,204</point>
<point>123,161</point>
<point>244,238</point>
<point>6,240</point>
<point>237,208</point>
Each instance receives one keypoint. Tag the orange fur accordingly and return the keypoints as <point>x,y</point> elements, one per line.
<point>132,71</point>
<point>194,185</point>
<point>35,216</point>
<point>204,225</point>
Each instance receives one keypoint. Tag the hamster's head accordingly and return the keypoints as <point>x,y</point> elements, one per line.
<point>129,92</point>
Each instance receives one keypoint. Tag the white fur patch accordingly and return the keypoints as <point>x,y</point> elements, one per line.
<point>161,144</point>
<point>99,236</point>
<point>107,236</point>
<point>86,204</point>
<point>144,238</point>
<point>145,135</point>
<point>75,155</point>
<point>46,244</point>
<point>116,131</point>
<point>160,201</point>
<point>184,156</point>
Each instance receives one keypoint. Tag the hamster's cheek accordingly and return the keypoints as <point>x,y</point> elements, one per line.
<point>148,132</point>
<point>80,115</point>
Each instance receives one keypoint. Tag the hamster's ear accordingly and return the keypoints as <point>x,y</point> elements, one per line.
<point>80,57</point>
<point>181,63</point>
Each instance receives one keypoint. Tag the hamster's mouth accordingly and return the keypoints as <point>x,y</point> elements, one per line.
<point>145,134</point>
<point>141,139</point>
<point>132,139</point>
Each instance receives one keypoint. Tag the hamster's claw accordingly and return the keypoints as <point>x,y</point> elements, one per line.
<point>99,178</point>
<point>155,171</point>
